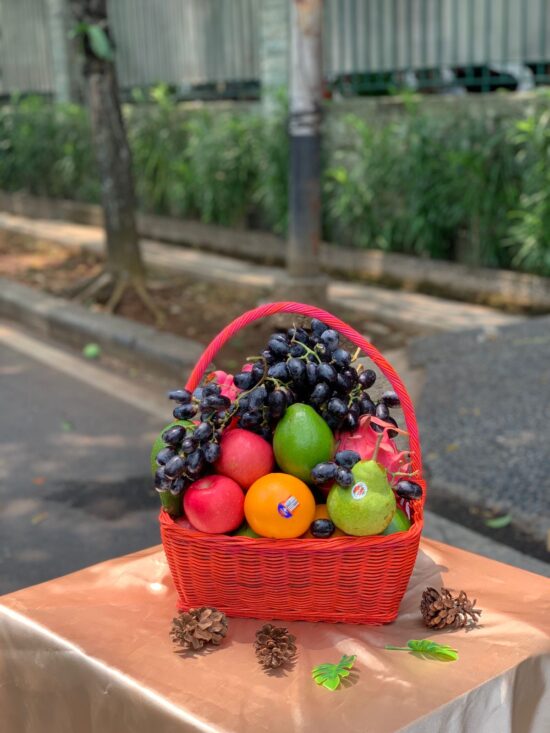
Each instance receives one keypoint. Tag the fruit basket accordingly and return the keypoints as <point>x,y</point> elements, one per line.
<point>351,579</point>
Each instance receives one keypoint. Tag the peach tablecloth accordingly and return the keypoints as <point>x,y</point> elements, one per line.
<point>91,652</point>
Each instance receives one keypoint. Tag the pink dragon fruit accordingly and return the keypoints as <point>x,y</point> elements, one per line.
<point>363,441</point>
<point>226,383</point>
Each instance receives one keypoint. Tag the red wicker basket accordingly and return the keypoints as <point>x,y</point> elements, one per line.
<point>341,579</point>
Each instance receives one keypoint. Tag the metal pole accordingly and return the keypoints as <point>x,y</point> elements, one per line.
<point>306,78</point>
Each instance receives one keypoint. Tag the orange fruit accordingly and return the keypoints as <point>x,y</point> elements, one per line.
<point>321,512</point>
<point>279,505</point>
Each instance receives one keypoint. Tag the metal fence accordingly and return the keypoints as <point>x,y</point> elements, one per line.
<point>180,42</point>
<point>371,46</point>
<point>375,45</point>
<point>25,52</point>
<point>185,42</point>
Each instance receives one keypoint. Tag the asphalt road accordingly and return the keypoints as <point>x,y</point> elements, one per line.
<point>75,485</point>
<point>484,418</point>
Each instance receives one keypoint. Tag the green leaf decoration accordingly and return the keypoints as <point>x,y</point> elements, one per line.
<point>498,522</point>
<point>99,43</point>
<point>330,675</point>
<point>428,649</point>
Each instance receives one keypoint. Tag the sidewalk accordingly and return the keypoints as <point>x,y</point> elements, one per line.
<point>414,312</point>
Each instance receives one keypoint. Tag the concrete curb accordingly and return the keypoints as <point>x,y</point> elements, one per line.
<point>497,288</point>
<point>75,325</point>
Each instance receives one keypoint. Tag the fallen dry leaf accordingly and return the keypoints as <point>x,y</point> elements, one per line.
<point>38,518</point>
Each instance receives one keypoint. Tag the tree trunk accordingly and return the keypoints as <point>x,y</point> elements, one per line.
<point>112,151</point>
<point>114,162</point>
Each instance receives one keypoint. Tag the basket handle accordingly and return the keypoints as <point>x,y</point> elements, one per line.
<point>351,334</point>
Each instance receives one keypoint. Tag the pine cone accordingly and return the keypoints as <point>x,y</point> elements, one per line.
<point>441,609</point>
<point>274,646</point>
<point>199,626</point>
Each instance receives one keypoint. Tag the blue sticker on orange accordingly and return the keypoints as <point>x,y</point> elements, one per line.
<point>285,508</point>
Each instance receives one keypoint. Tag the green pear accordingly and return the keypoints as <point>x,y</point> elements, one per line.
<point>368,506</point>
<point>399,523</point>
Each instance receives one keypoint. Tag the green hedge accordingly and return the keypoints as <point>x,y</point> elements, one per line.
<point>45,150</point>
<point>472,187</point>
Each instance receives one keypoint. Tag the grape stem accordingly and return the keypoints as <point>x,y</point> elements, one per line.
<point>354,394</point>
<point>308,350</point>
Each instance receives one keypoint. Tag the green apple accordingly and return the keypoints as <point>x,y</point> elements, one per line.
<point>368,506</point>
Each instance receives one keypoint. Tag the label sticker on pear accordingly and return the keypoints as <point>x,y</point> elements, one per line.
<point>285,508</point>
<point>359,490</point>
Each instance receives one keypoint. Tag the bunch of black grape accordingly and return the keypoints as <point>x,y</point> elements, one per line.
<point>190,450</point>
<point>297,366</point>
<point>338,470</point>
<point>310,367</point>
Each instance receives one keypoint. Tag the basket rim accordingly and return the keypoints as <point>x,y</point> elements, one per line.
<point>292,307</point>
<point>296,543</point>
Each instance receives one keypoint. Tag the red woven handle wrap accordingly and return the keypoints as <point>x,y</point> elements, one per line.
<point>350,333</point>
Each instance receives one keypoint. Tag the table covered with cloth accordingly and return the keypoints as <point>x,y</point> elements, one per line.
<point>91,651</point>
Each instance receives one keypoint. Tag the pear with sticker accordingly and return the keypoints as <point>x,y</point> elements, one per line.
<point>367,506</point>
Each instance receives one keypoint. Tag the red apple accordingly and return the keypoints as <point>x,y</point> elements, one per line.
<point>245,457</point>
<point>214,504</point>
